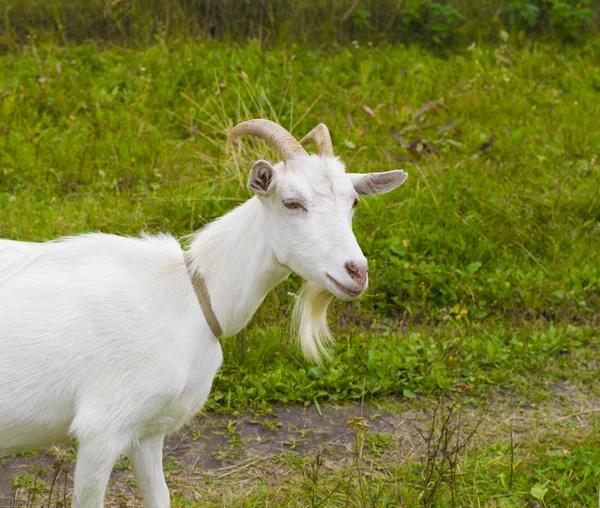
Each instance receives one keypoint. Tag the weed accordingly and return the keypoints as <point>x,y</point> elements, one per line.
<point>291,442</point>
<point>58,484</point>
<point>30,489</point>
<point>379,443</point>
<point>312,474</point>
<point>289,460</point>
<point>235,443</point>
<point>446,440</point>
<point>272,425</point>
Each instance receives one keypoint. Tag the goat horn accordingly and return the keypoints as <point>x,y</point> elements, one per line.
<point>320,134</point>
<point>282,140</point>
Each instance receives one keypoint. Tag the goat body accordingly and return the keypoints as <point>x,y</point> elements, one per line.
<point>100,332</point>
<point>101,340</point>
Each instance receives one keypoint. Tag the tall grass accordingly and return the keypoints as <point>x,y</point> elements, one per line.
<point>434,23</point>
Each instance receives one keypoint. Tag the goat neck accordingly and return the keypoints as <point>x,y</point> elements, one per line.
<point>237,264</point>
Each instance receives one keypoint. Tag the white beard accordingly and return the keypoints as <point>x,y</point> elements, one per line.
<point>309,320</point>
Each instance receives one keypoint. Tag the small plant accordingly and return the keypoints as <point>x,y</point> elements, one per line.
<point>379,443</point>
<point>291,442</point>
<point>122,465</point>
<point>58,485</point>
<point>234,449</point>
<point>359,426</point>
<point>30,489</point>
<point>26,487</point>
<point>368,497</point>
<point>446,439</point>
<point>272,425</point>
<point>290,460</point>
<point>312,474</point>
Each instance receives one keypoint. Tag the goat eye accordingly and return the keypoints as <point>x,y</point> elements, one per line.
<point>291,204</point>
<point>355,202</point>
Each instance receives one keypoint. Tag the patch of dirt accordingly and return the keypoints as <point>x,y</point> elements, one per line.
<point>291,428</point>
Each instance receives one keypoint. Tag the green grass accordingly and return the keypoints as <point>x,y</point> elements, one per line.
<point>485,265</point>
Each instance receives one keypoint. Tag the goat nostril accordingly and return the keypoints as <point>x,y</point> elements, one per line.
<point>356,272</point>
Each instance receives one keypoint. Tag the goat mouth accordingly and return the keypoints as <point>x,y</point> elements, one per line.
<point>344,289</point>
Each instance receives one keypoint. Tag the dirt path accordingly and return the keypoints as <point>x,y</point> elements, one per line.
<point>218,450</point>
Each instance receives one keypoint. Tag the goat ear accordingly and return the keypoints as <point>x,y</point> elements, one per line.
<point>377,183</point>
<point>262,177</point>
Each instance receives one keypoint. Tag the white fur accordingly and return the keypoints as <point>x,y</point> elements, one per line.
<point>102,337</point>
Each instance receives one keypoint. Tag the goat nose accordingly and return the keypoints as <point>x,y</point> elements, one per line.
<point>357,271</point>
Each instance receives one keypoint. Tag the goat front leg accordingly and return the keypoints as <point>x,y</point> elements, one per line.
<point>146,462</point>
<point>95,459</point>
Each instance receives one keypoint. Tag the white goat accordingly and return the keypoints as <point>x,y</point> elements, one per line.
<point>114,341</point>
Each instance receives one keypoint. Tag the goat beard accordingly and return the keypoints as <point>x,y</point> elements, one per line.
<point>309,320</point>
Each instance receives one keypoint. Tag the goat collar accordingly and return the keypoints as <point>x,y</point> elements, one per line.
<point>203,297</point>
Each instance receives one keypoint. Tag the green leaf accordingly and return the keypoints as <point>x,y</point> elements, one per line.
<point>409,394</point>
<point>539,491</point>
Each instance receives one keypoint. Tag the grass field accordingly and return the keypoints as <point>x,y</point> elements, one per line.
<point>484,266</point>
